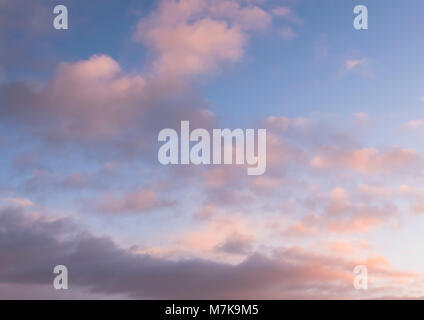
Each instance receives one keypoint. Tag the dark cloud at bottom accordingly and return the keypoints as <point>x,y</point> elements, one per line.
<point>31,247</point>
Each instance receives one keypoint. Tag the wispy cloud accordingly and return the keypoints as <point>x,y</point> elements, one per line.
<point>18,201</point>
<point>287,13</point>
<point>414,124</point>
<point>287,33</point>
<point>360,66</point>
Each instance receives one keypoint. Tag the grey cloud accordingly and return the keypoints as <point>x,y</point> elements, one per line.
<point>236,244</point>
<point>31,247</point>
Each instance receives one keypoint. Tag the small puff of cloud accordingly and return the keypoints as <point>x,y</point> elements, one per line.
<point>362,67</point>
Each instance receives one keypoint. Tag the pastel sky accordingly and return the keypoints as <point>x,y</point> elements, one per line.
<point>81,185</point>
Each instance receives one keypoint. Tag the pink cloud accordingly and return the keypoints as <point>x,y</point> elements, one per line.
<point>280,151</point>
<point>87,98</point>
<point>24,202</point>
<point>353,63</point>
<point>339,214</point>
<point>418,208</point>
<point>95,101</point>
<point>414,124</point>
<point>376,191</point>
<point>139,201</point>
<point>266,183</point>
<point>195,36</point>
<point>360,66</point>
<point>366,160</point>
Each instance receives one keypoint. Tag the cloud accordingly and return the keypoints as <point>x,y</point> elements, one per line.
<point>87,98</point>
<point>320,184</point>
<point>266,183</point>
<point>196,48</point>
<point>140,201</point>
<point>337,213</point>
<point>98,179</point>
<point>411,190</point>
<point>192,37</point>
<point>362,67</point>
<point>375,191</point>
<point>413,124</point>
<point>300,229</point>
<point>354,63</point>
<point>367,160</point>
<point>418,208</point>
<point>287,33</point>
<point>342,215</point>
<point>19,201</point>
<point>206,212</point>
<point>75,181</point>
<point>214,233</point>
<point>361,118</point>
<point>278,123</point>
<point>287,13</point>
<point>236,244</point>
<point>94,102</point>
<point>31,247</point>
<point>310,132</point>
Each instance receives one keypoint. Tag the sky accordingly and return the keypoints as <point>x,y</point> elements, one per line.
<point>80,180</point>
